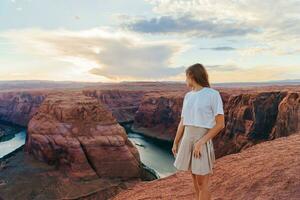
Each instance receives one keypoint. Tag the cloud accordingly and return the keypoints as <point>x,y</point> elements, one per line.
<point>189,26</point>
<point>221,48</point>
<point>255,73</point>
<point>269,23</point>
<point>223,67</point>
<point>112,54</point>
<point>253,51</point>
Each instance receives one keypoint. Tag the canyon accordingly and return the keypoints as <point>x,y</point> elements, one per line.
<point>75,137</point>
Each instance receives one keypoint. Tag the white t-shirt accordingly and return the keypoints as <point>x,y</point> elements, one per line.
<point>200,107</point>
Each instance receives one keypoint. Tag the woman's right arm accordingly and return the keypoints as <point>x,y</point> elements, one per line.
<point>180,128</point>
<point>179,133</point>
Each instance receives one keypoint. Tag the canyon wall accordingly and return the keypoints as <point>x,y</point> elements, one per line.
<point>257,117</point>
<point>123,104</point>
<point>288,117</point>
<point>19,107</point>
<point>158,115</point>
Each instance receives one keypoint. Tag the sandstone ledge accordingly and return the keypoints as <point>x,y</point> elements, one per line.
<point>269,170</point>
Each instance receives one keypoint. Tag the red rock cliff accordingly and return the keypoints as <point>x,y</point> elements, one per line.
<point>19,107</point>
<point>256,117</point>
<point>79,135</point>
<point>288,117</point>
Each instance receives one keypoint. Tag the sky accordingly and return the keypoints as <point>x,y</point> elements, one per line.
<point>149,40</point>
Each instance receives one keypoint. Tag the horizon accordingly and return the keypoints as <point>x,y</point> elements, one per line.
<point>149,40</point>
<point>287,81</point>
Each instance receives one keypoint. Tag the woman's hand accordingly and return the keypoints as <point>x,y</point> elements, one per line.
<point>197,149</point>
<point>174,148</point>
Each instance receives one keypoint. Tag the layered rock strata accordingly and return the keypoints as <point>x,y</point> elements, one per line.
<point>19,107</point>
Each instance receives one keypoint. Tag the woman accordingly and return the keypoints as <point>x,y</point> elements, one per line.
<point>202,118</point>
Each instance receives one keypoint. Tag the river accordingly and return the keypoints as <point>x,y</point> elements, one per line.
<point>14,143</point>
<point>154,154</point>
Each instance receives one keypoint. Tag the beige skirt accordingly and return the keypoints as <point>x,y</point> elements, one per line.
<point>184,159</point>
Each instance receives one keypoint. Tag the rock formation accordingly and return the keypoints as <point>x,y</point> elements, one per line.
<point>269,170</point>
<point>79,135</point>
<point>256,117</point>
<point>24,178</point>
<point>288,117</point>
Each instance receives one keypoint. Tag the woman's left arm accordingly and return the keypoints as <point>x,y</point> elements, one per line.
<point>220,124</point>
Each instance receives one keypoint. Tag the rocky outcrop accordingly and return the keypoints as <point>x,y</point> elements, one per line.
<point>122,103</point>
<point>158,115</point>
<point>269,170</point>
<point>19,107</point>
<point>288,117</point>
<point>81,137</point>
